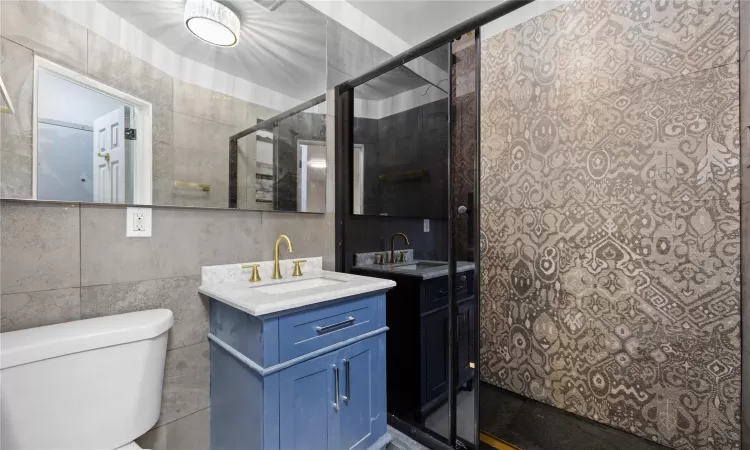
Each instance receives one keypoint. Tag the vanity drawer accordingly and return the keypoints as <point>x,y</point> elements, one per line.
<point>436,290</point>
<point>311,330</point>
<point>435,293</point>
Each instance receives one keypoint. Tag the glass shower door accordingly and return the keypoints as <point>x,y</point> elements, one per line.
<point>463,268</point>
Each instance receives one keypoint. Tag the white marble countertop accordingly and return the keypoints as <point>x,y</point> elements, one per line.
<point>425,273</point>
<point>247,296</point>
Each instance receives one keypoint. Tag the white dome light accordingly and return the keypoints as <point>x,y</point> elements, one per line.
<point>212,22</point>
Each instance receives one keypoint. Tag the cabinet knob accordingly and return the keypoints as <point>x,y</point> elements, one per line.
<point>462,209</point>
<point>463,277</point>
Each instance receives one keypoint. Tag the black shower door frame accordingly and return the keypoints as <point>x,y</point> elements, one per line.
<point>344,120</point>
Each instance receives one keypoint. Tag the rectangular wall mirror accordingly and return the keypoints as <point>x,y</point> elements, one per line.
<point>401,132</point>
<point>144,112</point>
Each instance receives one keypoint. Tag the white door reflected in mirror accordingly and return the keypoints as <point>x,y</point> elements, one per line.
<point>110,157</point>
<point>311,176</point>
<point>358,181</point>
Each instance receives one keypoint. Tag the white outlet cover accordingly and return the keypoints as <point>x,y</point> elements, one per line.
<point>427,225</point>
<point>138,222</point>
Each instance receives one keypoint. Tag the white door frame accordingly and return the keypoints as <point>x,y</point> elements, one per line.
<point>360,148</point>
<point>143,111</point>
<point>302,187</point>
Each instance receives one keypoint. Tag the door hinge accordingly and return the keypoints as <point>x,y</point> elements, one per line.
<point>130,134</point>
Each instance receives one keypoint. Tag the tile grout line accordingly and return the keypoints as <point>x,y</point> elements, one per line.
<point>180,418</point>
<point>208,120</point>
<point>189,345</point>
<point>115,283</point>
<point>42,290</point>
<point>205,340</point>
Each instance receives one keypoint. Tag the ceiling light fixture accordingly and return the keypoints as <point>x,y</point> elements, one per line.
<point>212,22</point>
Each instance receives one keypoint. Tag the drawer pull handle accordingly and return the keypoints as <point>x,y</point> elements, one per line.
<point>327,328</point>
<point>442,292</point>
<point>336,404</point>
<point>347,387</point>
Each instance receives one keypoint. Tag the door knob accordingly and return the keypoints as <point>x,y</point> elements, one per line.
<point>462,209</point>
<point>104,155</point>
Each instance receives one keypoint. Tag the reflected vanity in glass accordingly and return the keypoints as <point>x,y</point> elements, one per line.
<point>405,164</point>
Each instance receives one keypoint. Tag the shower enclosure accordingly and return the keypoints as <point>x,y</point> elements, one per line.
<point>584,158</point>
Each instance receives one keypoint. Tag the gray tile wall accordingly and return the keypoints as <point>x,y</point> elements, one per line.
<point>409,141</point>
<point>63,262</point>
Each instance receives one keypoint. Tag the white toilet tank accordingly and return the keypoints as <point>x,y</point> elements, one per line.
<point>89,384</point>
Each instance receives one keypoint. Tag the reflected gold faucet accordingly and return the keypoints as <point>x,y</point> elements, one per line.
<point>276,271</point>
<point>393,251</point>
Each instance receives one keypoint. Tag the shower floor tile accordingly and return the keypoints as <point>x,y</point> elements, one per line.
<point>532,425</point>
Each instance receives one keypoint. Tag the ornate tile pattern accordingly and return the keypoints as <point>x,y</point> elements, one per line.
<point>610,242</point>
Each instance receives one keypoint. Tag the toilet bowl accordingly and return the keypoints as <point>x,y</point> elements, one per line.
<point>88,384</point>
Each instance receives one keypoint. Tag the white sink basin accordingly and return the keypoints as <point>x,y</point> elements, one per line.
<point>292,286</point>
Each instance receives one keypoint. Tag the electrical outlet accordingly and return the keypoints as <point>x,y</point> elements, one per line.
<point>427,225</point>
<point>138,222</point>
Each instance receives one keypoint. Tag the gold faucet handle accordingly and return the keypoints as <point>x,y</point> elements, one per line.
<point>254,275</point>
<point>297,271</point>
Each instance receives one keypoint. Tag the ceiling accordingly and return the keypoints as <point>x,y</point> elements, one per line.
<point>283,50</point>
<point>415,21</point>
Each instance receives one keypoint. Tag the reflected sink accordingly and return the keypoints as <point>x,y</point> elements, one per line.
<point>421,265</point>
<point>291,286</point>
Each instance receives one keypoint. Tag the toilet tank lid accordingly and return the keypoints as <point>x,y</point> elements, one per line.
<point>51,341</point>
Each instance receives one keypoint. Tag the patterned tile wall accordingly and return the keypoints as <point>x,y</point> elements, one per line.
<point>610,242</point>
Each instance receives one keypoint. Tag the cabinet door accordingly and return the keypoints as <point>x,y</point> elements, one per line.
<point>362,415</point>
<point>434,355</point>
<point>308,416</point>
<point>465,331</point>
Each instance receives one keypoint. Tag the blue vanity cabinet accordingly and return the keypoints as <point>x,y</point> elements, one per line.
<point>362,414</point>
<point>310,416</point>
<point>307,416</point>
<point>312,379</point>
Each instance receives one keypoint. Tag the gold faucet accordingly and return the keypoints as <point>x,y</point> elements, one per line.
<point>393,251</point>
<point>276,271</point>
